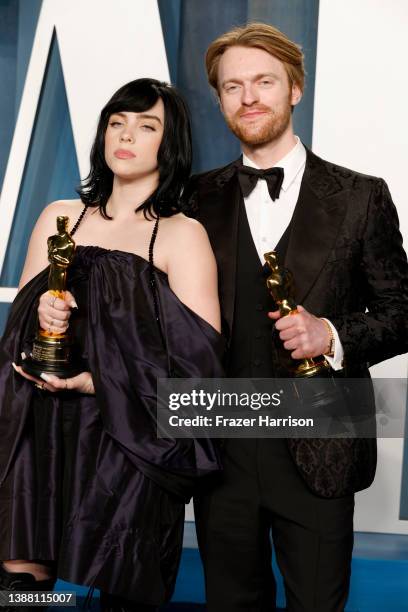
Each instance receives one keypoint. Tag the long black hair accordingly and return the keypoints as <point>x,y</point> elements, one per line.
<point>173,157</point>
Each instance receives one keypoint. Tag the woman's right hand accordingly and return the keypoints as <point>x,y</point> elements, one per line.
<point>54,313</point>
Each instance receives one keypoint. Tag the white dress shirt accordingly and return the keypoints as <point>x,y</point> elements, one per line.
<point>269,219</point>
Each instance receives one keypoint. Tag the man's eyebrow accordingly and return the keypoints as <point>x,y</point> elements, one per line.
<point>142,115</point>
<point>256,77</point>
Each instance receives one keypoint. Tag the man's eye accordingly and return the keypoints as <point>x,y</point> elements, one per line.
<point>266,82</point>
<point>230,88</point>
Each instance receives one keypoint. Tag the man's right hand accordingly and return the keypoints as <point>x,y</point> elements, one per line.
<point>54,313</point>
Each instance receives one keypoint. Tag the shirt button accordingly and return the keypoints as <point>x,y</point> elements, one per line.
<point>257,362</point>
<point>259,307</point>
<point>264,239</point>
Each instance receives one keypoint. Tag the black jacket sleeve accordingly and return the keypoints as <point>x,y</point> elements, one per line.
<point>382,331</point>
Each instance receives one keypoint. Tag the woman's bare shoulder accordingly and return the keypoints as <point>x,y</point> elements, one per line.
<point>69,208</point>
<point>184,239</point>
<point>47,221</point>
<point>183,228</point>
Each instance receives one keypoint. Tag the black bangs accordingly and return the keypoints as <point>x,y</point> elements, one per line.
<point>134,97</point>
<point>174,156</point>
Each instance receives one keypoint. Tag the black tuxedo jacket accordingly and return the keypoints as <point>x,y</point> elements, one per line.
<point>345,251</point>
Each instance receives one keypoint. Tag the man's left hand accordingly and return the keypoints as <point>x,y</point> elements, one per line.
<point>302,333</point>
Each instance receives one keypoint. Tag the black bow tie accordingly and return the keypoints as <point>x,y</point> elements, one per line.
<point>248,178</point>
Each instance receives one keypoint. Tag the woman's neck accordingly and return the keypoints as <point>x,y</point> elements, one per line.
<point>127,195</point>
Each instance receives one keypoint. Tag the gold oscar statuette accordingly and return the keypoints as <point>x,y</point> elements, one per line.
<point>53,353</point>
<point>281,287</point>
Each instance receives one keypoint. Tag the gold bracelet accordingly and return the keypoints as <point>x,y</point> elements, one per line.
<point>330,351</point>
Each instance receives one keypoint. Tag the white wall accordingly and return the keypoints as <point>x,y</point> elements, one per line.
<point>360,121</point>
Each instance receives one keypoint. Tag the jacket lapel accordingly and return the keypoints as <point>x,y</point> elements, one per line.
<point>318,216</point>
<point>220,218</point>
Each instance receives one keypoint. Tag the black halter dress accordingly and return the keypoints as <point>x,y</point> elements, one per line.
<point>84,480</point>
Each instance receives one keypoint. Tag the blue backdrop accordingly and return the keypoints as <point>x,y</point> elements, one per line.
<point>189,26</point>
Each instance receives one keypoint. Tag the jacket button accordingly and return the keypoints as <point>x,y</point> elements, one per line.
<point>257,362</point>
<point>259,307</point>
<point>258,335</point>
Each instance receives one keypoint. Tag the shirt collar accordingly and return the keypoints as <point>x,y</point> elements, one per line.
<point>292,163</point>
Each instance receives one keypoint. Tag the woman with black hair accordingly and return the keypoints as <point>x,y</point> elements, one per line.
<point>88,493</point>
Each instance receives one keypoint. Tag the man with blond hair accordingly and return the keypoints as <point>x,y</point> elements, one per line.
<point>337,231</point>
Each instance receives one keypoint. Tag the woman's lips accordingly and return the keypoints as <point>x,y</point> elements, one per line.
<point>124,154</point>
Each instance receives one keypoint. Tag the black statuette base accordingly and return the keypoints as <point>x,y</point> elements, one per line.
<point>52,356</point>
<point>36,368</point>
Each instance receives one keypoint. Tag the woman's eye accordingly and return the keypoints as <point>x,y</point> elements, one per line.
<point>148,128</point>
<point>115,123</point>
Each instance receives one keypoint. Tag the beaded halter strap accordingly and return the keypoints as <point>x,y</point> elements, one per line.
<point>152,273</point>
<point>81,216</point>
<point>153,283</point>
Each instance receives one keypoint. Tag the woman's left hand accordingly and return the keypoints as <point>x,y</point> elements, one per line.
<point>82,383</point>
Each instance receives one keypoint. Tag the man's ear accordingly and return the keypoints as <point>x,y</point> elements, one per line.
<point>296,94</point>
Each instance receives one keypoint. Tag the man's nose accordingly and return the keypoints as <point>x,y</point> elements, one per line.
<point>249,95</point>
